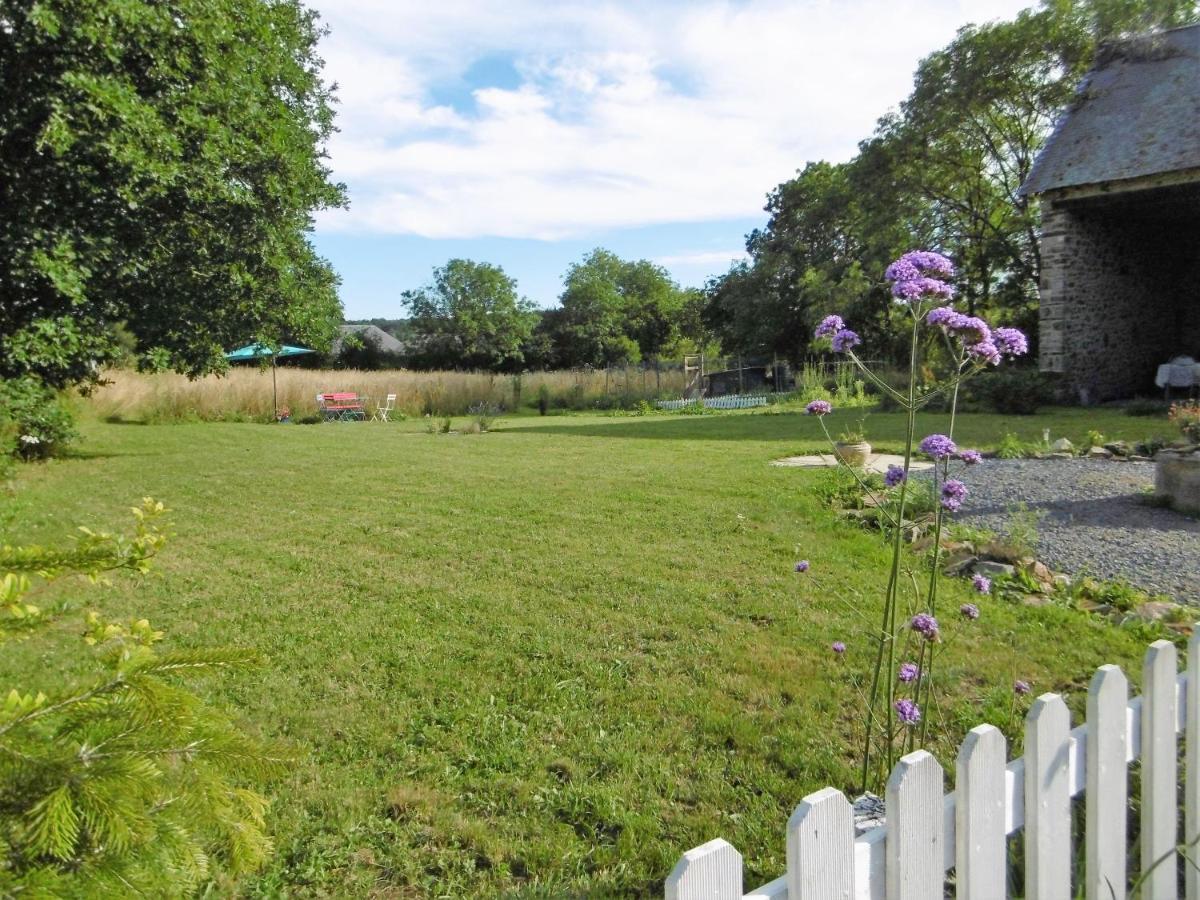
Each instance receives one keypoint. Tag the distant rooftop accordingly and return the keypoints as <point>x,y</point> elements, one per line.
<point>1137,113</point>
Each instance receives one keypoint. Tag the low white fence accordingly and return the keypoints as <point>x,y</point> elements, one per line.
<point>928,834</point>
<point>732,401</point>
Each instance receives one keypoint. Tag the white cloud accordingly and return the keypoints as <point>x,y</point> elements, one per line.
<point>624,115</point>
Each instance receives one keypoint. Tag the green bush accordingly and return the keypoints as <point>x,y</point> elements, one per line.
<point>1019,392</point>
<point>125,784</point>
<point>35,422</point>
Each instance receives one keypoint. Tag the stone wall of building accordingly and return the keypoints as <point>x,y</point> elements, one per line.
<point>1118,296</point>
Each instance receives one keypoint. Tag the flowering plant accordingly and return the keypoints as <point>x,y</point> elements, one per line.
<point>902,684</point>
<point>1187,417</point>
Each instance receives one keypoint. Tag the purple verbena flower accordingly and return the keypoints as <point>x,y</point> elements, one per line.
<point>985,351</point>
<point>838,647</point>
<point>926,625</point>
<point>1021,687</point>
<point>943,315</point>
<point>981,583</point>
<point>819,408</point>
<point>920,287</point>
<point>1010,342</point>
<point>909,671</point>
<point>916,263</point>
<point>970,457</point>
<point>954,492</point>
<point>895,475</point>
<point>938,446</point>
<point>971,329</point>
<point>907,711</point>
<point>830,325</point>
<point>969,611</point>
<point>844,340</point>
<point>802,565</point>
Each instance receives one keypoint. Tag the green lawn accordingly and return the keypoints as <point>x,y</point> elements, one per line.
<point>543,661</point>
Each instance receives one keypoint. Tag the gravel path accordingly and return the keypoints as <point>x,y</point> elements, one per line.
<point>1095,521</point>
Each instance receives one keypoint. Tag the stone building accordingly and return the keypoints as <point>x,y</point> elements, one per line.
<point>1119,182</point>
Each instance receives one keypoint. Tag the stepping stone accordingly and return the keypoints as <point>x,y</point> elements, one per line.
<point>877,462</point>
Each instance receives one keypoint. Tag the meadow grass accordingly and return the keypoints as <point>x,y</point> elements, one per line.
<point>244,393</point>
<point>542,661</point>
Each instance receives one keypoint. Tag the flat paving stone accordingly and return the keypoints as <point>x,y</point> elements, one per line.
<point>876,462</point>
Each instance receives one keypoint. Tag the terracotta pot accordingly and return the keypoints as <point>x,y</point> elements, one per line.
<point>853,453</point>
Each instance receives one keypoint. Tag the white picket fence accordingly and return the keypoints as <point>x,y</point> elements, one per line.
<point>928,834</point>
<point>732,401</point>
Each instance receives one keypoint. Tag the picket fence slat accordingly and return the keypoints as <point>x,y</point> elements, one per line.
<point>908,858</point>
<point>1190,706</point>
<point>820,848</point>
<point>979,836</point>
<point>712,871</point>
<point>1159,801</point>
<point>1048,800</point>
<point>1107,784</point>
<point>914,846</point>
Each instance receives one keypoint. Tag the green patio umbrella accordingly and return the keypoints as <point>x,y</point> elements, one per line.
<point>258,351</point>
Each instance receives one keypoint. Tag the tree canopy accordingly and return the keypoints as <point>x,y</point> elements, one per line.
<point>159,168</point>
<point>469,317</point>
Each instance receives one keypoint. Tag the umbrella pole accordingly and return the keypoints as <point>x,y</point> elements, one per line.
<point>274,389</point>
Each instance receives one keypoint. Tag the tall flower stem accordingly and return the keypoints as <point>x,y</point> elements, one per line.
<point>887,635</point>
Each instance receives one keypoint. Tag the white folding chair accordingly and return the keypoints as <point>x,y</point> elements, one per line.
<point>381,412</point>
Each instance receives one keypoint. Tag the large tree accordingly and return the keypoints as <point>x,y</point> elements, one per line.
<point>159,167</point>
<point>470,317</point>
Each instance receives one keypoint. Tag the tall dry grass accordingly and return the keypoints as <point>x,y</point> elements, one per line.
<point>245,392</point>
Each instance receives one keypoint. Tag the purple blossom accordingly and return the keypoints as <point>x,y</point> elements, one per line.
<point>970,457</point>
<point>918,288</point>
<point>969,611</point>
<point>907,711</point>
<point>830,325</point>
<point>838,647</point>
<point>802,565</point>
<point>954,492</point>
<point>844,340</point>
<point>985,351</point>
<point>895,475</point>
<point>917,263</point>
<point>819,408</point>
<point>926,625</point>
<point>1010,342</point>
<point>981,583</point>
<point>909,671</point>
<point>971,330</point>
<point>1021,687</point>
<point>938,446</point>
<point>943,315</point>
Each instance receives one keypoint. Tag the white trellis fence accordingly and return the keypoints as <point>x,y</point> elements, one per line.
<point>928,834</point>
<point>730,401</point>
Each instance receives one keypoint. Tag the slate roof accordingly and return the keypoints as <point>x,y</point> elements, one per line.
<point>1137,113</point>
<point>387,343</point>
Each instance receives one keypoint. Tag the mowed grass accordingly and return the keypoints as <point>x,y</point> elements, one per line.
<point>543,661</point>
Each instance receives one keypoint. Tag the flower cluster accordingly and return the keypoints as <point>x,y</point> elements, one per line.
<point>895,475</point>
<point>907,711</point>
<point>981,342</point>
<point>926,626</point>
<point>844,340</point>
<point>981,583</point>
<point>918,275</point>
<point>838,647</point>
<point>802,565</point>
<point>969,611</point>
<point>970,457</point>
<point>829,326</point>
<point>954,492</point>
<point>908,672</point>
<point>938,446</point>
<point>819,408</point>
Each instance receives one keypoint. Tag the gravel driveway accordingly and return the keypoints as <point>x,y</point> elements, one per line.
<point>1095,521</point>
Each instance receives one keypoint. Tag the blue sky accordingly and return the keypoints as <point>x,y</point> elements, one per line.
<point>526,133</point>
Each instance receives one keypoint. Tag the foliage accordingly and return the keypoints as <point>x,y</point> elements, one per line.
<point>1186,417</point>
<point>1012,447</point>
<point>469,317</point>
<point>128,782</point>
<point>159,167</point>
<point>35,421</point>
<point>484,415</point>
<point>1144,407</point>
<point>1015,391</point>
<point>1021,530</point>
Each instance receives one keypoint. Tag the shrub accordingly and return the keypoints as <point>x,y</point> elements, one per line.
<point>1145,407</point>
<point>35,420</point>
<point>127,784</point>
<point>1018,392</point>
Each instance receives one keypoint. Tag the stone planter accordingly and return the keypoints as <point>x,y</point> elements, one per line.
<point>1177,480</point>
<point>852,453</point>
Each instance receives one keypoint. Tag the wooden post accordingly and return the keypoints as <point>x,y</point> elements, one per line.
<point>712,871</point>
<point>981,851</point>
<point>1159,799</point>
<point>1191,790</point>
<point>1107,784</point>
<point>915,829</point>
<point>1047,800</point>
<point>820,847</point>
